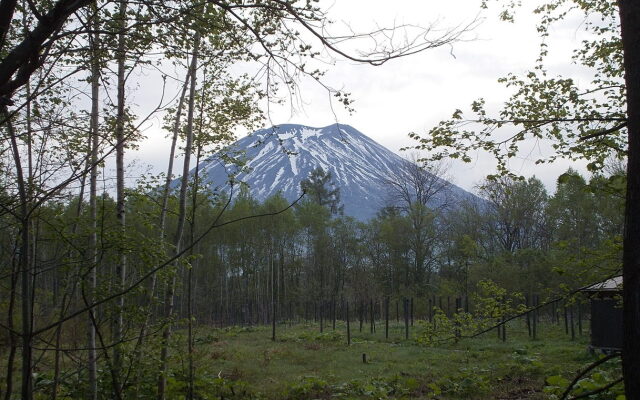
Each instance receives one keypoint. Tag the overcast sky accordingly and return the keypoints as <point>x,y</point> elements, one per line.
<point>413,94</point>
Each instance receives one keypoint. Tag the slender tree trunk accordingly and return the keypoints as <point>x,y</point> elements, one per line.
<point>630,25</point>
<point>333,311</point>
<point>348,325</point>
<point>411,312</point>
<point>93,207</point>
<point>13,339</point>
<point>405,302</point>
<point>170,297</point>
<point>121,265</point>
<point>58,354</point>
<point>190,344</point>
<point>190,317</point>
<point>66,296</point>
<point>273,295</point>
<point>534,318</point>
<point>162,228</point>
<point>386,317</point>
<point>372,317</point>
<point>321,310</point>
<point>27,307</point>
<point>24,263</point>
<point>504,329</point>
<point>580,318</point>
<point>20,268</point>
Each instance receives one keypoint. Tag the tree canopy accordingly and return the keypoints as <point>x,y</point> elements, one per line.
<point>573,118</point>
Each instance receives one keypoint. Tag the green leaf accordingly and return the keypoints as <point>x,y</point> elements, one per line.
<point>557,380</point>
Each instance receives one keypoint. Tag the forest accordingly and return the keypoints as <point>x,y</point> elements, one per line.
<point>122,285</point>
<point>274,263</point>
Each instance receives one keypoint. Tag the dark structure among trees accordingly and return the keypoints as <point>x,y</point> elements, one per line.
<point>606,314</point>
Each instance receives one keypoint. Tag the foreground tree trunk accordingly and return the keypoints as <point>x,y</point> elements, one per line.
<point>182,211</point>
<point>630,25</point>
<point>93,207</point>
<point>161,235</point>
<point>121,267</point>
<point>190,285</point>
<point>13,338</point>
<point>24,263</point>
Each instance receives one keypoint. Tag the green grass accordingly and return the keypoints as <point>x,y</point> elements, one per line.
<point>302,363</point>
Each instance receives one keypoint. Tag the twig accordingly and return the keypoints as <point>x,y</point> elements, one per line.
<point>604,132</point>
<point>585,371</point>
<point>602,389</point>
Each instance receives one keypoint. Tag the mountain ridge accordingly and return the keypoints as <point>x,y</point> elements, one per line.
<point>279,157</point>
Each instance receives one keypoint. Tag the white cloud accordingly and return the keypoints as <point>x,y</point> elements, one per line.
<point>414,93</point>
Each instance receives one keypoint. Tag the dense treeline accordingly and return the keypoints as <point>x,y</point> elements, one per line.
<point>245,261</point>
<point>518,236</point>
<point>309,257</point>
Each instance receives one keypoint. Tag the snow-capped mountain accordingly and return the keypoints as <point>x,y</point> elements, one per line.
<point>279,158</point>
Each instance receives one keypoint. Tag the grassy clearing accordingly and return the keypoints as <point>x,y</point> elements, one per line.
<point>304,364</point>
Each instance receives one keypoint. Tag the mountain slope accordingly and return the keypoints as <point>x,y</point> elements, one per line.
<point>278,158</point>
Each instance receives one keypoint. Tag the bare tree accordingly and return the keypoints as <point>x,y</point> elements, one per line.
<point>418,183</point>
<point>421,194</point>
<point>516,211</point>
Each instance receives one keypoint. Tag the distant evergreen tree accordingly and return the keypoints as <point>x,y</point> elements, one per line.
<point>320,189</point>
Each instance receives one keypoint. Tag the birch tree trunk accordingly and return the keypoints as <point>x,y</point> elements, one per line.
<point>93,207</point>
<point>162,227</point>
<point>121,266</point>
<point>190,289</point>
<point>182,210</point>
<point>93,210</point>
